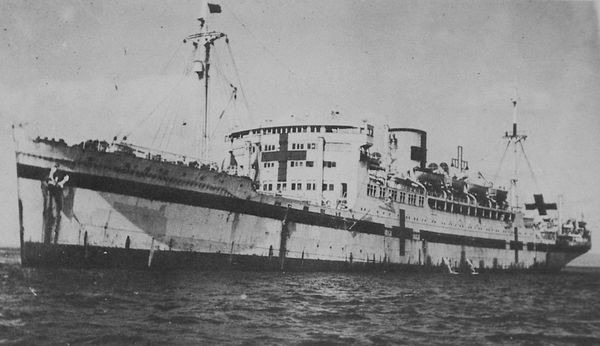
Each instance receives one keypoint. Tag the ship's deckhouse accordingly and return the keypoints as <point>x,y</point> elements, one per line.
<point>314,162</point>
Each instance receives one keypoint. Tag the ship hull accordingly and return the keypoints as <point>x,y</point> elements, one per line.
<point>111,215</point>
<point>95,227</point>
<point>97,257</point>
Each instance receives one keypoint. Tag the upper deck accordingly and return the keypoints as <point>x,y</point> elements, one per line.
<point>335,164</point>
<point>316,162</point>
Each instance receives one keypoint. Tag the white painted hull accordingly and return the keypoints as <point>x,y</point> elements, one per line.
<point>141,219</point>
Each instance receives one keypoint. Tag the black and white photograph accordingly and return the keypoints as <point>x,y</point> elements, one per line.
<point>299,172</point>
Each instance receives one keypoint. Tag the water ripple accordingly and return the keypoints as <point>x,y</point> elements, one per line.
<point>123,307</point>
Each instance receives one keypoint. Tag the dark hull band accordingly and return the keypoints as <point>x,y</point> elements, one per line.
<point>87,257</point>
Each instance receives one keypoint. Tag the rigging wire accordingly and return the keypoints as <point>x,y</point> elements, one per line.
<point>299,80</point>
<point>164,121</point>
<point>518,162</point>
<point>225,83</point>
<point>168,128</point>
<point>530,168</point>
<point>164,69</point>
<point>149,115</point>
<point>220,78</point>
<point>222,75</point>
<point>495,176</point>
<point>260,43</point>
<point>152,112</point>
<point>237,73</point>
<point>167,125</point>
<point>231,98</point>
<point>174,123</point>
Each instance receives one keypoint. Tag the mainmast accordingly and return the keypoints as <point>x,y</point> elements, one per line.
<point>515,139</point>
<point>205,39</point>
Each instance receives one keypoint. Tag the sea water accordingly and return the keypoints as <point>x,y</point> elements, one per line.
<point>66,306</point>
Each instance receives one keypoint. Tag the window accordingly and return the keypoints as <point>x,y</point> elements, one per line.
<point>293,186</point>
<point>310,163</point>
<point>293,146</point>
<point>421,201</point>
<point>278,186</point>
<point>371,190</point>
<point>330,187</point>
<point>299,186</point>
<point>402,198</point>
<point>264,187</point>
<point>308,186</point>
<point>283,186</point>
<point>270,187</point>
<point>412,199</point>
<point>329,164</point>
<point>324,187</point>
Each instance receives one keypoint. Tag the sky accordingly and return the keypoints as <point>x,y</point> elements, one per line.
<point>79,69</point>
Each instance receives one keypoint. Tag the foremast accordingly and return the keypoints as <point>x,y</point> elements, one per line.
<point>206,39</point>
<point>515,139</point>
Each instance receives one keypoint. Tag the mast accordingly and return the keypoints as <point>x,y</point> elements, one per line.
<point>205,126</point>
<point>205,39</point>
<point>515,139</point>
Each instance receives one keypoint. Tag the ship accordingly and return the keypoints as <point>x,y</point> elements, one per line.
<point>300,195</point>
